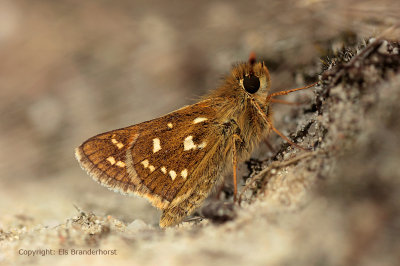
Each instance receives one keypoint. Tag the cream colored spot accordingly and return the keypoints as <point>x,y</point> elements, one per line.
<point>188,143</point>
<point>170,125</point>
<point>164,170</point>
<point>199,120</point>
<point>145,163</point>
<point>120,164</point>
<point>202,145</point>
<point>156,145</point>
<point>118,144</point>
<point>172,173</point>
<point>184,173</point>
<point>111,160</point>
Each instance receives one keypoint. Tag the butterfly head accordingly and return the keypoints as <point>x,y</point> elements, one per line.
<point>248,81</point>
<point>253,80</point>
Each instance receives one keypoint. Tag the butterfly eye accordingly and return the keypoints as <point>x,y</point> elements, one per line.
<point>251,84</point>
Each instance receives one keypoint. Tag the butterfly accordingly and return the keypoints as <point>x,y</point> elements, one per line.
<point>175,160</point>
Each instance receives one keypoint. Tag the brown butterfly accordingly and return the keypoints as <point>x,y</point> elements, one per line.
<point>174,161</point>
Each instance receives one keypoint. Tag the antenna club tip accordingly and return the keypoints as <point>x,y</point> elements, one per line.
<point>252,58</point>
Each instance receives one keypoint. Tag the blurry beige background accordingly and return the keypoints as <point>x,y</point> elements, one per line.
<point>72,69</point>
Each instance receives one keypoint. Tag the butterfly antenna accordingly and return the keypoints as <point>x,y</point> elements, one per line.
<point>252,58</point>
<point>272,100</point>
<point>289,91</point>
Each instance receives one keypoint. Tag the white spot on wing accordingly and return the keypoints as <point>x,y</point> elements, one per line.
<point>172,173</point>
<point>184,173</point>
<point>156,145</point>
<point>145,163</point>
<point>164,170</point>
<point>188,143</point>
<point>152,168</point>
<point>111,160</point>
<point>199,120</point>
<point>202,145</point>
<point>119,145</point>
<point>120,164</point>
<point>170,125</point>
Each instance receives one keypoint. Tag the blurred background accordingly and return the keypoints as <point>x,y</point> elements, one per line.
<point>72,69</point>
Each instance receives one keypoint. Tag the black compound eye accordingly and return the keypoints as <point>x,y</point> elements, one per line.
<point>251,84</point>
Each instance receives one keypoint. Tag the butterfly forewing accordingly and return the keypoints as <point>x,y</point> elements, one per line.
<point>153,159</point>
<point>165,158</point>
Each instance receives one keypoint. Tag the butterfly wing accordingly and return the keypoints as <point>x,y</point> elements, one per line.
<point>155,159</point>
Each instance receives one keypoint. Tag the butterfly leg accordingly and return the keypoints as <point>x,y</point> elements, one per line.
<point>269,145</point>
<point>234,164</point>
<point>279,101</point>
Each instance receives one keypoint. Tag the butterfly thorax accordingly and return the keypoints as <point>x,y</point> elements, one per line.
<point>243,109</point>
